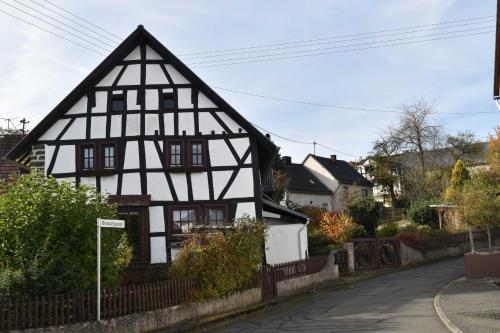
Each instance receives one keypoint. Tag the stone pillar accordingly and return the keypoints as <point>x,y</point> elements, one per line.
<point>350,256</point>
<point>38,158</point>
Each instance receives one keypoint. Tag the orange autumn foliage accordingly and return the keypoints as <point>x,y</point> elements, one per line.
<point>494,151</point>
<point>339,228</point>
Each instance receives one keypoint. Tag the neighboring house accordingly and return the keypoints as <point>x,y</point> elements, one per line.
<point>7,167</point>
<point>436,158</point>
<point>324,182</point>
<point>165,147</point>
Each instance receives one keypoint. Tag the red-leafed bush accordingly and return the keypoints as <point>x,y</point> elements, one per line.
<point>339,228</point>
<point>409,238</point>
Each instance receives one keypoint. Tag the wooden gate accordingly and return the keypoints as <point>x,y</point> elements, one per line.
<point>376,252</point>
<point>269,285</point>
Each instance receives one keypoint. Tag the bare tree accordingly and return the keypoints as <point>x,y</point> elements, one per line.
<point>464,146</point>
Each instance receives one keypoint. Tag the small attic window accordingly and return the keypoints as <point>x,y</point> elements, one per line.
<point>118,103</point>
<point>168,101</point>
<point>311,181</point>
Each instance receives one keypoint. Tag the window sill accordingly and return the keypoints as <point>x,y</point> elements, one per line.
<point>98,172</point>
<point>185,169</point>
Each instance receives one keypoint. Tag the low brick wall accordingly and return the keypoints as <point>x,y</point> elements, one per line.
<point>299,284</point>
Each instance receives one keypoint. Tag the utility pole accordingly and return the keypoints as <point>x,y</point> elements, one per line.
<point>24,122</point>
<point>314,148</point>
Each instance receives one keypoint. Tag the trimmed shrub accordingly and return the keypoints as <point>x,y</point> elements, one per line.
<point>366,212</point>
<point>224,262</point>
<point>359,231</point>
<point>421,213</point>
<point>318,243</point>
<point>387,230</point>
<point>48,241</point>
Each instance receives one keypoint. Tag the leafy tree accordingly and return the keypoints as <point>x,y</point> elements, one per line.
<point>223,262</point>
<point>48,241</point>
<point>459,176</point>
<point>494,151</point>
<point>365,212</point>
<point>464,145</point>
<point>280,184</point>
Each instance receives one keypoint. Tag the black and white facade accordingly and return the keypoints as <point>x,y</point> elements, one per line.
<point>144,129</point>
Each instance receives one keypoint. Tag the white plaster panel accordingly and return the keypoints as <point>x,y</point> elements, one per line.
<point>199,183</point>
<point>116,126</point>
<point>155,75</point>
<point>54,130</point>
<point>65,159</point>
<point>249,159</point>
<point>158,250</point>
<point>220,180</point>
<point>88,181</point>
<point>134,55</point>
<point>151,54</point>
<point>245,208</point>
<point>77,130</point>
<point>152,158</point>
<point>168,121</point>
<point>131,76</point>
<point>242,186</point>
<point>152,124</point>
<point>175,75</point>
<point>184,98</point>
<point>98,127</point>
<point>186,123</point>
<point>220,155</point>
<point>133,124</point>
<point>152,102</point>
<point>79,107</point>
<point>101,101</point>
<point>69,180</point>
<point>156,219</point>
<point>109,184</point>
<point>207,123</point>
<point>204,102</point>
<point>132,100</point>
<point>131,155</point>
<point>158,186</point>
<point>285,243</point>
<point>240,145</point>
<point>180,184</point>
<point>110,77</point>
<point>49,151</point>
<point>131,183</point>
<point>233,126</point>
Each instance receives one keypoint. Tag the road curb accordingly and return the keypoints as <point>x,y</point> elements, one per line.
<point>440,312</point>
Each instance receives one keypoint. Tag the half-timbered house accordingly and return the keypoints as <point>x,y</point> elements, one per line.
<point>147,131</point>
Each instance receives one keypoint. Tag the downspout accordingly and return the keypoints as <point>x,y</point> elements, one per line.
<point>300,242</point>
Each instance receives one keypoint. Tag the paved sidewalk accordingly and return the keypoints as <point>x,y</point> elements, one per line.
<point>473,306</point>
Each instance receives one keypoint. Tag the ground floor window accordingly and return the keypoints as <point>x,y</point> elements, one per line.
<point>184,219</point>
<point>216,216</point>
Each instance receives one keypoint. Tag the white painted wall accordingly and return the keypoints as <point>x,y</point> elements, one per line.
<point>242,186</point>
<point>321,173</point>
<point>220,155</point>
<point>310,199</point>
<point>245,208</point>
<point>77,130</point>
<point>285,242</point>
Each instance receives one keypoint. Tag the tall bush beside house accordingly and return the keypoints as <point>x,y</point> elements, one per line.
<point>339,228</point>
<point>365,212</point>
<point>459,176</point>
<point>48,244</point>
<point>224,262</point>
<point>421,212</point>
<point>479,204</point>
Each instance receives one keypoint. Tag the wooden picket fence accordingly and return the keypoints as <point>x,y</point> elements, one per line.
<point>44,311</point>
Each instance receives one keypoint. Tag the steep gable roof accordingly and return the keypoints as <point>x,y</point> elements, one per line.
<point>266,151</point>
<point>342,171</point>
<point>300,179</point>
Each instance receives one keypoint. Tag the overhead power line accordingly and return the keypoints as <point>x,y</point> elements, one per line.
<point>55,26</point>
<point>330,41</point>
<point>76,22</point>
<point>340,36</point>
<point>84,20</point>
<point>65,24</point>
<point>339,51</point>
<point>51,32</point>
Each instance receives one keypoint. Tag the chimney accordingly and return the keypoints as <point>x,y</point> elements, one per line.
<point>287,160</point>
<point>333,158</point>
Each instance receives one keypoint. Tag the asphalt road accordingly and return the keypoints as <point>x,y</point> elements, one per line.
<point>397,302</point>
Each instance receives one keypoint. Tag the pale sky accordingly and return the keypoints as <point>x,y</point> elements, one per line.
<point>38,69</point>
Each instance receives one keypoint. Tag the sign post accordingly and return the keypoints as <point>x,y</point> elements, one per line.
<point>103,223</point>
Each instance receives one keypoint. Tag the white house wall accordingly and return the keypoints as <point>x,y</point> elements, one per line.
<point>141,133</point>
<point>285,242</point>
<point>321,173</point>
<point>310,199</point>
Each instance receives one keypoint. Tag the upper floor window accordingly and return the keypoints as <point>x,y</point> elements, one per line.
<point>364,192</point>
<point>118,103</point>
<point>216,216</point>
<point>109,156</point>
<point>346,191</point>
<point>184,219</point>
<point>197,154</point>
<point>175,151</point>
<point>168,101</point>
<point>88,157</point>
